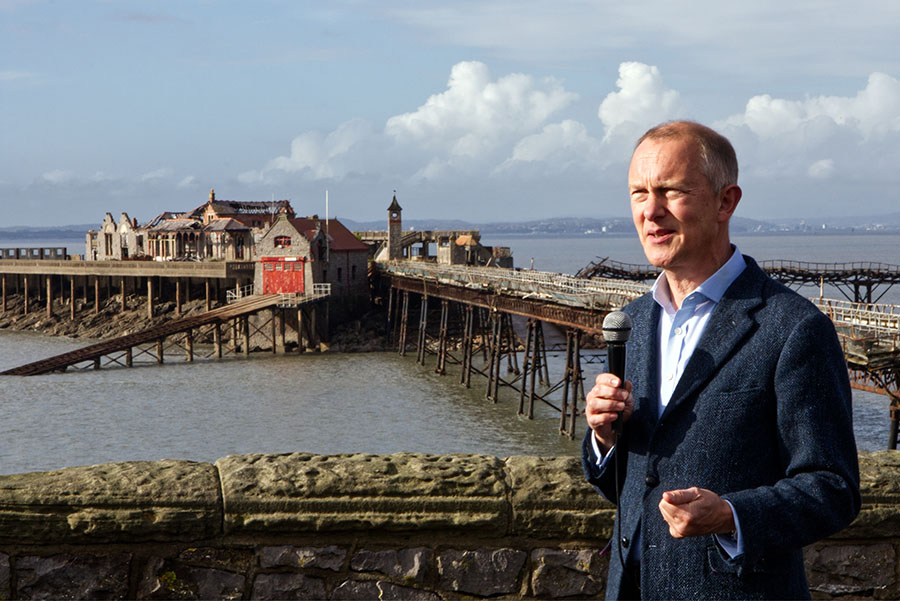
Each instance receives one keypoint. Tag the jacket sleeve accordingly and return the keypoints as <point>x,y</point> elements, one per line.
<point>602,477</point>
<point>819,493</point>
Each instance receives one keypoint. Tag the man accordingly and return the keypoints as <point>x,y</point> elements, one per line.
<point>738,445</point>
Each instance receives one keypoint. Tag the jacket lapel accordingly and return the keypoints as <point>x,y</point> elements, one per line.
<point>729,323</point>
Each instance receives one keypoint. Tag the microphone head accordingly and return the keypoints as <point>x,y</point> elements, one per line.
<point>616,327</point>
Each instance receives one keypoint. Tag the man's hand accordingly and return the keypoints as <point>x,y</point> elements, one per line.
<point>602,406</point>
<point>696,512</point>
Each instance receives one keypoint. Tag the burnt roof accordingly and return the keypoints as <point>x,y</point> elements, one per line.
<point>225,225</point>
<point>340,238</point>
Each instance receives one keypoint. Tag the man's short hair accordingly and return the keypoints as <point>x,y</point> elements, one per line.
<point>717,155</point>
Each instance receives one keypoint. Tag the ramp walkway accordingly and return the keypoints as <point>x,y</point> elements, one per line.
<point>92,354</point>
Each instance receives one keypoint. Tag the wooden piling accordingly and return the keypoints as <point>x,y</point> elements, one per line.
<point>441,367</point>
<point>150,297</point>
<point>404,319</point>
<point>423,325</point>
<point>49,297</point>
<point>189,345</point>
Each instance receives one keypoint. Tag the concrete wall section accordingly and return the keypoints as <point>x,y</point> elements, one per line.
<point>403,526</point>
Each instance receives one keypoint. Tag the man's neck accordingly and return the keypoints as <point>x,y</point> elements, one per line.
<point>682,282</point>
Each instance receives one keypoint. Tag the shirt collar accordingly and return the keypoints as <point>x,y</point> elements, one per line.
<point>713,288</point>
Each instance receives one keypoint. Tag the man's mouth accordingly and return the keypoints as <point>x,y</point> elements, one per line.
<point>660,235</point>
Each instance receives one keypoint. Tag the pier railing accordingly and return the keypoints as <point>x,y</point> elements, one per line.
<point>564,288</point>
<point>292,299</point>
<point>239,293</point>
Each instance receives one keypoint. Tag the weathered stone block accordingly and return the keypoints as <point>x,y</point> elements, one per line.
<point>483,572</point>
<point>566,573</point>
<point>288,586</point>
<point>849,569</point>
<point>324,558</point>
<point>225,558</point>
<point>127,502</point>
<point>5,592</point>
<point>879,474</point>
<point>320,493</point>
<point>408,565</point>
<point>551,499</point>
<point>371,589</point>
<point>173,580</point>
<point>356,590</point>
<point>67,576</point>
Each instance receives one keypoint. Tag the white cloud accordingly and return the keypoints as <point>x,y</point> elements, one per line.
<point>783,139</point>
<point>187,182</point>
<point>643,100</point>
<point>559,145</point>
<point>475,114</point>
<point>17,76</point>
<point>316,155</point>
<point>822,169</point>
<point>873,112</point>
<point>58,176</point>
<point>162,173</point>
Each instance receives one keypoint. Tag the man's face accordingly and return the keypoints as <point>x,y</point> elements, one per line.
<point>675,212</point>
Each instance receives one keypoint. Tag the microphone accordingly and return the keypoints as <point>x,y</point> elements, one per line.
<point>616,331</point>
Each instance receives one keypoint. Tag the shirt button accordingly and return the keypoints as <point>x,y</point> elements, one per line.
<point>651,480</point>
<point>670,376</point>
<point>678,331</point>
<point>625,541</point>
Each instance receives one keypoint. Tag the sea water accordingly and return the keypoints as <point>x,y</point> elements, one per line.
<point>333,403</point>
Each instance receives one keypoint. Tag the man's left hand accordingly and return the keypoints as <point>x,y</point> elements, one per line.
<point>695,512</point>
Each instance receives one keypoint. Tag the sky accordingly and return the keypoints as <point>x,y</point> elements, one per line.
<point>481,110</point>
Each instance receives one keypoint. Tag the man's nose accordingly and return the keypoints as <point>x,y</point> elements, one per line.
<point>655,205</point>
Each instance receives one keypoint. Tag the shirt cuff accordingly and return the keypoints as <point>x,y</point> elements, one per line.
<point>601,458</point>
<point>732,544</point>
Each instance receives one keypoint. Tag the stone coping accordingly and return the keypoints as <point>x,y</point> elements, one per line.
<point>539,498</point>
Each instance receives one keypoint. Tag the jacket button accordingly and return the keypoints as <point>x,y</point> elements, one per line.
<point>651,480</point>
<point>625,541</point>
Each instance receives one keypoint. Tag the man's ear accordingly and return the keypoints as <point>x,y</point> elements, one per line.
<point>729,198</point>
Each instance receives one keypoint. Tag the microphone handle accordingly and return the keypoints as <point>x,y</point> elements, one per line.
<point>615,361</point>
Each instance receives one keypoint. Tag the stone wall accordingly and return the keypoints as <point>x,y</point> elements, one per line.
<point>402,526</point>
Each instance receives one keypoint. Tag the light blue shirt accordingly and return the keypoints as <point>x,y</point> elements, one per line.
<point>679,332</point>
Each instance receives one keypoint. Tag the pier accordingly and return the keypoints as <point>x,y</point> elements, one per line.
<point>455,313</point>
<point>859,282</point>
<point>227,329</point>
<point>486,298</point>
<point>84,284</point>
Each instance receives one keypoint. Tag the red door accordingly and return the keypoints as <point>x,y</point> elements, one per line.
<point>282,274</point>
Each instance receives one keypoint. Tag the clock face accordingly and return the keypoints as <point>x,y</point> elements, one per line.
<point>395,214</point>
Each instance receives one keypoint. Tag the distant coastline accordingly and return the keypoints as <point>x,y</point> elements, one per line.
<point>548,228</point>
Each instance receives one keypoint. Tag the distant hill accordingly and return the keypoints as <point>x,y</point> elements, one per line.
<point>553,226</point>
<point>62,232</point>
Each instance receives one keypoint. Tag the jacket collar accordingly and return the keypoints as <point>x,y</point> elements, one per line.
<point>730,322</point>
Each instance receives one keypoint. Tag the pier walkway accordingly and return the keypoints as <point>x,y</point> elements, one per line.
<point>869,332</point>
<point>185,332</point>
<point>861,282</point>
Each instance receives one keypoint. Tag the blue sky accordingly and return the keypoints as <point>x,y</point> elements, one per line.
<point>480,110</point>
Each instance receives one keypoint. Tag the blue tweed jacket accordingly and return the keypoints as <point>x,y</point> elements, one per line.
<point>762,417</point>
